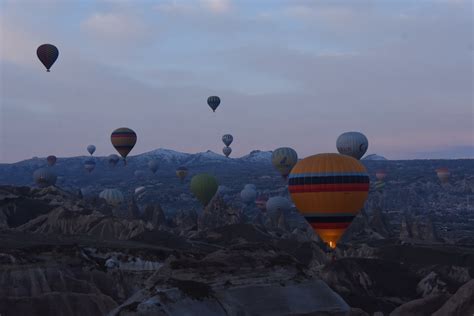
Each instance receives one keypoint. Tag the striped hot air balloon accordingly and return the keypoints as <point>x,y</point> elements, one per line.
<point>112,196</point>
<point>329,190</point>
<point>123,139</point>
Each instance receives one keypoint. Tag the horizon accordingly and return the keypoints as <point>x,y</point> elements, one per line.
<point>324,67</point>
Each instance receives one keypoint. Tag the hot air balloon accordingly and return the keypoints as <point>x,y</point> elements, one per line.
<point>91,149</point>
<point>248,195</point>
<point>227,139</point>
<point>227,151</point>
<point>123,139</point>
<point>113,160</point>
<point>443,174</point>
<point>51,160</point>
<point>153,165</point>
<point>379,185</point>
<point>284,159</point>
<point>112,196</point>
<point>139,190</point>
<point>261,202</point>
<point>278,204</point>
<point>182,172</point>
<point>380,174</point>
<point>89,165</point>
<point>213,102</point>
<point>352,144</point>
<point>329,190</point>
<point>204,187</point>
<point>250,186</point>
<point>44,177</point>
<point>47,54</point>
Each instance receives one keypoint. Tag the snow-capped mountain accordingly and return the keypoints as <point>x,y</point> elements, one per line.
<point>164,155</point>
<point>207,157</point>
<point>257,156</point>
<point>374,157</point>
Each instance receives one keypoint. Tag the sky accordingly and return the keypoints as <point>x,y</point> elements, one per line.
<point>293,73</point>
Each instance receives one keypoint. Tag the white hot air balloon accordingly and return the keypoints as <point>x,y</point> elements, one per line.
<point>112,196</point>
<point>278,203</point>
<point>248,195</point>
<point>91,149</point>
<point>250,186</point>
<point>352,144</point>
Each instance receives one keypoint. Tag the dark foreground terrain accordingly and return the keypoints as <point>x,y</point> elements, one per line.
<point>63,255</point>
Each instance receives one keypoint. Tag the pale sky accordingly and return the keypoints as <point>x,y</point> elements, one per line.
<point>289,73</point>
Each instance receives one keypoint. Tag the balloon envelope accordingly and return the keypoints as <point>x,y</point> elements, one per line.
<point>89,165</point>
<point>284,159</point>
<point>113,159</point>
<point>112,196</point>
<point>51,160</point>
<point>380,174</point>
<point>261,202</point>
<point>213,101</point>
<point>227,139</point>
<point>44,177</point>
<point>278,203</point>
<point>329,190</point>
<point>153,165</point>
<point>352,144</point>
<point>227,151</point>
<point>250,186</point>
<point>47,54</point>
<point>248,195</point>
<point>91,149</point>
<point>123,139</point>
<point>182,172</point>
<point>204,187</point>
<point>443,174</point>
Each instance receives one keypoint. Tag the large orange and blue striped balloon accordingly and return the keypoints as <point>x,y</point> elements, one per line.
<point>123,139</point>
<point>329,190</point>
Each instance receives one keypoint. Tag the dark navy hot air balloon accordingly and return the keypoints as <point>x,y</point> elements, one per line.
<point>213,101</point>
<point>47,54</point>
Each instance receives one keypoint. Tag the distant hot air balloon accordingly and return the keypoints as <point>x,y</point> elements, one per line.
<point>113,159</point>
<point>250,186</point>
<point>283,159</point>
<point>182,172</point>
<point>227,151</point>
<point>261,202</point>
<point>44,177</point>
<point>47,54</point>
<point>204,187</point>
<point>123,139</point>
<point>227,139</point>
<point>213,102</point>
<point>380,174</point>
<point>139,190</point>
<point>89,165</point>
<point>248,195</point>
<point>153,165</point>
<point>112,196</point>
<point>91,149</point>
<point>278,204</point>
<point>379,185</point>
<point>329,190</point>
<point>443,174</point>
<point>352,144</point>
<point>51,160</point>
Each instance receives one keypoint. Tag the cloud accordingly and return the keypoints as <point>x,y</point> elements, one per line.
<point>113,26</point>
<point>217,6</point>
